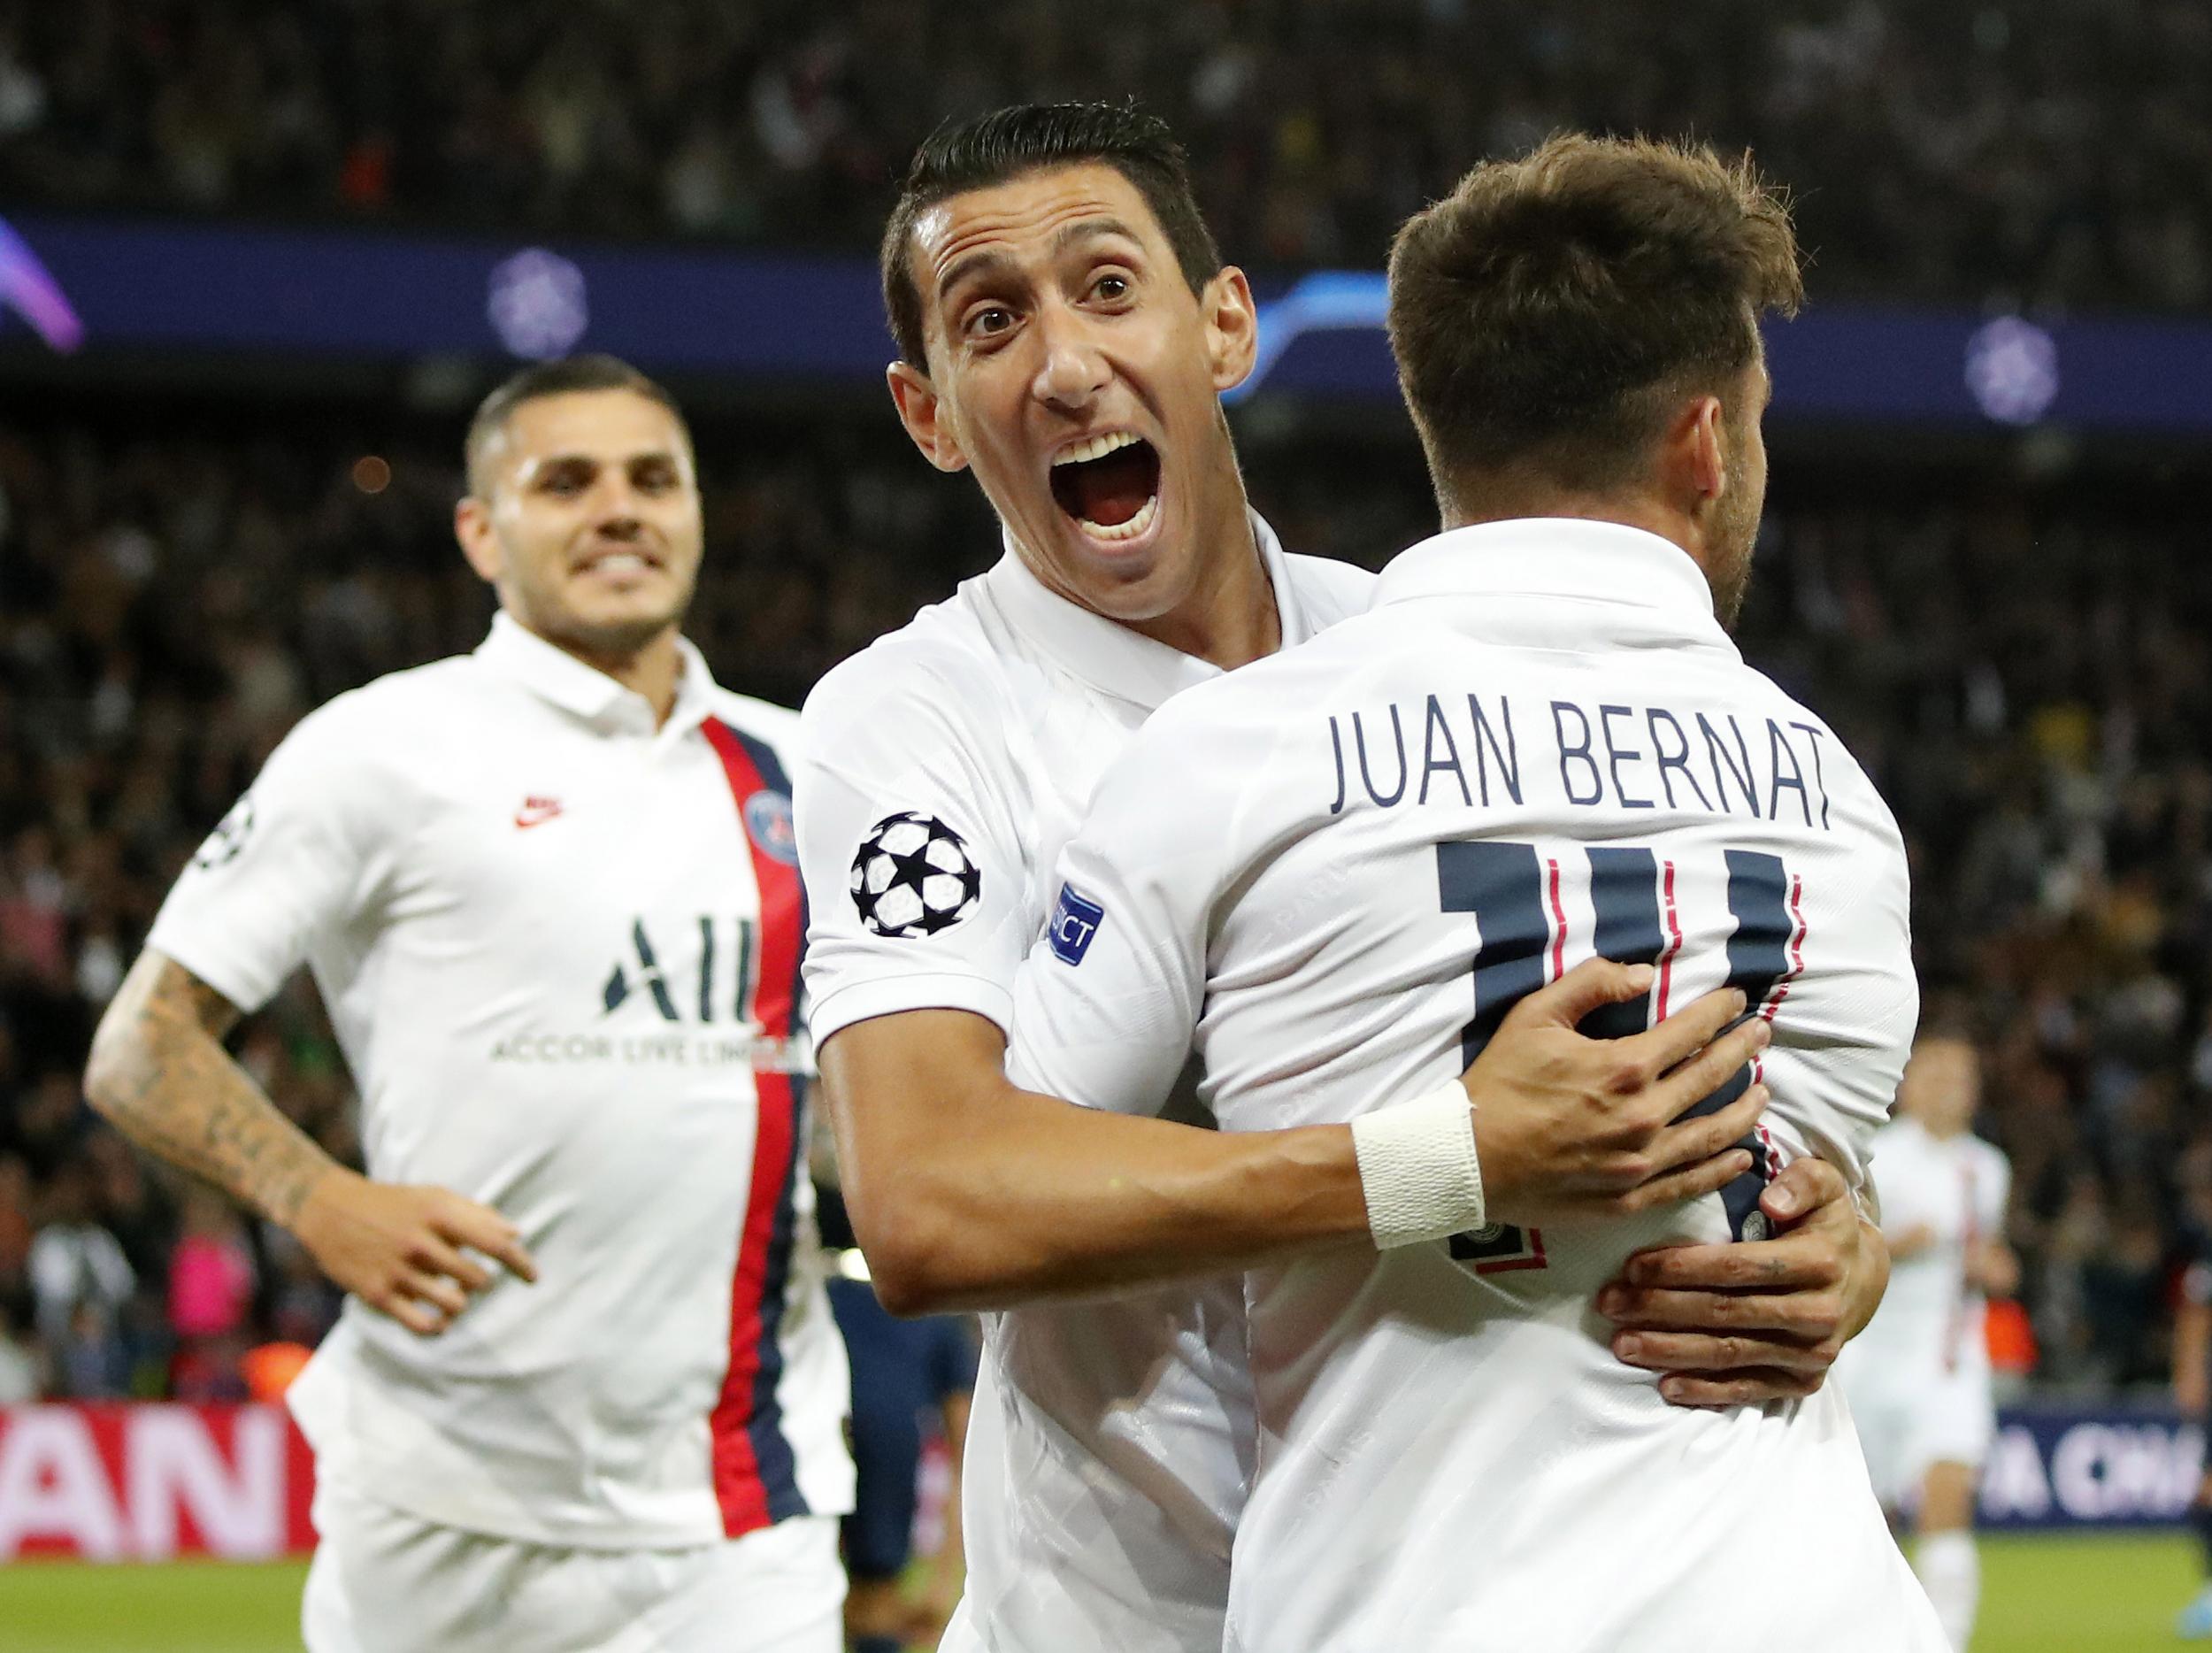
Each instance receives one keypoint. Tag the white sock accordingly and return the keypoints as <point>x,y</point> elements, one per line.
<point>1950,1569</point>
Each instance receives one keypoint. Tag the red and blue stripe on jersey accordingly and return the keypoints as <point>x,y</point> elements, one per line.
<point>755,1470</point>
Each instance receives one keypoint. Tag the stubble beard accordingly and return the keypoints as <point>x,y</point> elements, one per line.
<point>1735,541</point>
<point>611,639</point>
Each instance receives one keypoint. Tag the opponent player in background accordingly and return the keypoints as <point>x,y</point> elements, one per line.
<point>1918,1379</point>
<point>587,1392</point>
<point>1331,877</point>
<point>911,1379</point>
<point>1065,328</point>
<point>908,1376</point>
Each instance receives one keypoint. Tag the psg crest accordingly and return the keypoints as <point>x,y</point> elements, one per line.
<point>768,823</point>
<point>913,876</point>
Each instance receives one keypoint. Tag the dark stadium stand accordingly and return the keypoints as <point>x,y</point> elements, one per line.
<point>2037,154</point>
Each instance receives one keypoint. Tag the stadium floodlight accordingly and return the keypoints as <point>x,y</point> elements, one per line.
<point>1326,301</point>
<point>27,288</point>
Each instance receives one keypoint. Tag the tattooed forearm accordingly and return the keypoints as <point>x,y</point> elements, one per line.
<point>159,1071</point>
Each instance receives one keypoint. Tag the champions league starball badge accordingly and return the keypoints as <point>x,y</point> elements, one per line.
<point>229,836</point>
<point>913,876</point>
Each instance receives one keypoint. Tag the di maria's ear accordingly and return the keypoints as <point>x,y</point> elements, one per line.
<point>1232,327</point>
<point>923,414</point>
<point>473,528</point>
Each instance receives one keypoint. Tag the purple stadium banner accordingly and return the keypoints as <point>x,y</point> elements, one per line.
<point>744,314</point>
<point>2098,1467</point>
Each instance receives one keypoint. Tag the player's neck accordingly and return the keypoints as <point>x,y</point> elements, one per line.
<point>653,670</point>
<point>1230,617</point>
<point>1506,499</point>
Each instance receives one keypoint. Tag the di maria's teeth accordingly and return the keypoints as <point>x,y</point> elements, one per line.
<point>1094,448</point>
<point>1128,530</point>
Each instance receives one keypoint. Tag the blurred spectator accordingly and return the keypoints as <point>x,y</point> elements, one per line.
<point>20,1376</point>
<point>81,1286</point>
<point>210,1294</point>
<point>15,1234</point>
<point>91,1360</point>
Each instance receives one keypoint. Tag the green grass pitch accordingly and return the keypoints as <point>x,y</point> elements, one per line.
<point>2067,1595</point>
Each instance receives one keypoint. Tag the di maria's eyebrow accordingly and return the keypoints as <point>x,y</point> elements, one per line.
<point>969,267</point>
<point>990,261</point>
<point>1092,229</point>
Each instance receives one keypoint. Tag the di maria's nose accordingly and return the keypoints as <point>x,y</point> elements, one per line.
<point>1073,370</point>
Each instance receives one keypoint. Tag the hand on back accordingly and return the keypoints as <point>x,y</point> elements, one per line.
<point>1573,1128</point>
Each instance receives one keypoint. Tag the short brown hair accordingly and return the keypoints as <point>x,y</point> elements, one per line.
<point>1006,143</point>
<point>1548,315</point>
<point>565,375</point>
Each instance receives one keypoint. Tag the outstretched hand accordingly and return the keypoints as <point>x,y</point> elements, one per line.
<point>1573,1128</point>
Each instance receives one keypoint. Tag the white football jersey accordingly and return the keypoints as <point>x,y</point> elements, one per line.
<point>1334,873</point>
<point>1918,1377</point>
<point>560,947</point>
<point>943,768</point>
<point>1932,1320</point>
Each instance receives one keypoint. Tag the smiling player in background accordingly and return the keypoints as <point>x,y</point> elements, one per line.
<point>586,1393</point>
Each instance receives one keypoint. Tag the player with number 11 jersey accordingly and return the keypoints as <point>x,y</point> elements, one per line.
<point>1332,874</point>
<point>1464,773</point>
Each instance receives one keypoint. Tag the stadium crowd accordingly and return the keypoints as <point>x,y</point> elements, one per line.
<point>2027,682</point>
<point>2041,152</point>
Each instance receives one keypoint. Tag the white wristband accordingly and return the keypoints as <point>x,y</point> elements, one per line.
<point>1418,1170</point>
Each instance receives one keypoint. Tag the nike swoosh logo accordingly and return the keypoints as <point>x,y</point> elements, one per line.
<point>528,817</point>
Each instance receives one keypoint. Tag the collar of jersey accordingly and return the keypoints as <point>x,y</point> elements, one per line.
<point>1108,655</point>
<point>553,674</point>
<point>1546,557</point>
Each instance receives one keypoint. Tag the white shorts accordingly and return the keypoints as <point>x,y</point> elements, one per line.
<point>1906,1427</point>
<point>385,1582</point>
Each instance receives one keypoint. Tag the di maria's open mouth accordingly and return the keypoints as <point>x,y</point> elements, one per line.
<point>1109,484</point>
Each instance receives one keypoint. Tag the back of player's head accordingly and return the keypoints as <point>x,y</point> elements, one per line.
<point>1550,315</point>
<point>567,375</point>
<point>986,151</point>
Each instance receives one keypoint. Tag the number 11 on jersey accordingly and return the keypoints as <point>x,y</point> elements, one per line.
<point>1514,891</point>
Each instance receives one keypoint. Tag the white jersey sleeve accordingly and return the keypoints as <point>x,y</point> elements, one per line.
<point>304,853</point>
<point>1106,1004</point>
<point>913,863</point>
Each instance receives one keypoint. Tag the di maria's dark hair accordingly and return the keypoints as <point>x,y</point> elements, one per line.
<point>993,149</point>
<point>1550,315</point>
<point>566,376</point>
